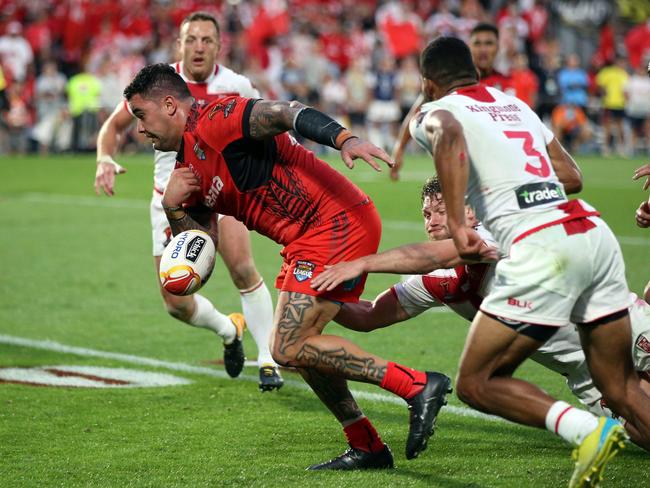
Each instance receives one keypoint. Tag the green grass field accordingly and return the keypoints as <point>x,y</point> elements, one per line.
<point>77,271</point>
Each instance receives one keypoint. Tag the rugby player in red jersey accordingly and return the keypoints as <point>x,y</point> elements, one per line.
<point>198,45</point>
<point>236,158</point>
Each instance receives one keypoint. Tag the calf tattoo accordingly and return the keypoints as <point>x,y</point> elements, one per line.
<point>334,393</point>
<point>342,363</point>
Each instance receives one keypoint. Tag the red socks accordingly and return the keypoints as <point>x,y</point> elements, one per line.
<point>362,435</point>
<point>404,382</point>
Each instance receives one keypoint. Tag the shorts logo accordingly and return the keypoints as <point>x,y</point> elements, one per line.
<point>303,270</point>
<point>194,248</point>
<point>643,343</point>
<point>515,302</point>
<point>539,194</point>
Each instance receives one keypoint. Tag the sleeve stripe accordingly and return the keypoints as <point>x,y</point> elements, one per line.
<point>246,119</point>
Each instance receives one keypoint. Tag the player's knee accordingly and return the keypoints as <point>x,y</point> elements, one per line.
<point>178,307</point>
<point>282,357</point>
<point>244,275</point>
<point>469,390</point>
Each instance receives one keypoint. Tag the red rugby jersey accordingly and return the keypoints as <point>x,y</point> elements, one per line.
<point>275,186</point>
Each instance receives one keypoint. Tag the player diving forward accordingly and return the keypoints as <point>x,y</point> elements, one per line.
<point>561,262</point>
<point>199,45</point>
<point>462,289</point>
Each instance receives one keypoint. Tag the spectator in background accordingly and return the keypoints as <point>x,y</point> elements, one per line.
<point>356,85</point>
<point>612,80</point>
<point>4,106</point>
<point>384,111</point>
<point>637,107</point>
<point>549,90</point>
<point>110,92</point>
<point>50,106</point>
<point>574,82</point>
<point>637,44</point>
<point>443,22</point>
<point>15,52</point>
<point>17,119</point>
<point>84,90</point>
<point>570,126</point>
<point>408,83</point>
<point>294,81</point>
<point>523,81</point>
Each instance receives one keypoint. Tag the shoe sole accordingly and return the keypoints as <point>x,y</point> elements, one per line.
<point>593,475</point>
<point>264,388</point>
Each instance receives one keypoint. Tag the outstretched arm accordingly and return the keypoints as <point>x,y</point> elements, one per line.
<point>641,172</point>
<point>269,118</point>
<point>108,141</point>
<point>419,258</point>
<point>403,138</point>
<point>366,316</point>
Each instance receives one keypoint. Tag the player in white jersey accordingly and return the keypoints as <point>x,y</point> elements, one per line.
<point>462,289</point>
<point>643,212</point>
<point>199,46</point>
<point>562,262</point>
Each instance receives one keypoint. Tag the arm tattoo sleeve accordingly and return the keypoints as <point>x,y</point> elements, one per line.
<point>269,118</point>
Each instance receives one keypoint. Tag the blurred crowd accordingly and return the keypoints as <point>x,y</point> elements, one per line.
<point>581,64</point>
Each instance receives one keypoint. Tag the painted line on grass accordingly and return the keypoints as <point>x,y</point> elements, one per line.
<point>131,203</point>
<point>201,370</point>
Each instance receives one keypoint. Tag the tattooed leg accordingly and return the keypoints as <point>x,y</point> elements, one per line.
<point>298,342</point>
<point>334,393</point>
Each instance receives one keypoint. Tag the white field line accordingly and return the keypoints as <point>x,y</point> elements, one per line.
<point>136,204</point>
<point>201,370</point>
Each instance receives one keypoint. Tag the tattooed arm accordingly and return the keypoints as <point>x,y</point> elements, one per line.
<point>182,183</point>
<point>269,118</point>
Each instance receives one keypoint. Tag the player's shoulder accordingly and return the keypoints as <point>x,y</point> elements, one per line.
<point>229,76</point>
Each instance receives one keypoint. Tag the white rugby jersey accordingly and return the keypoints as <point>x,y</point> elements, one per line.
<point>512,186</point>
<point>222,82</point>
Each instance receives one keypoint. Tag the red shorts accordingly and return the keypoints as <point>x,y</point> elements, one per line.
<point>351,234</point>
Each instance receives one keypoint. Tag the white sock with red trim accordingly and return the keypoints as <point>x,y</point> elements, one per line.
<point>570,423</point>
<point>208,317</point>
<point>257,307</point>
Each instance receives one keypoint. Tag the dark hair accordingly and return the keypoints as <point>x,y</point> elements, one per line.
<point>198,16</point>
<point>485,27</point>
<point>447,59</point>
<point>157,80</point>
<point>431,189</point>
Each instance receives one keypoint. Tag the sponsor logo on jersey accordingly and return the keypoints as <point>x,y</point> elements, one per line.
<point>220,107</point>
<point>200,153</point>
<point>303,270</point>
<point>535,194</point>
<point>213,192</point>
<point>643,343</point>
<point>194,248</point>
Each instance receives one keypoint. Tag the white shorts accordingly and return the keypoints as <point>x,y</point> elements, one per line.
<point>551,278</point>
<point>161,233</point>
<point>640,320</point>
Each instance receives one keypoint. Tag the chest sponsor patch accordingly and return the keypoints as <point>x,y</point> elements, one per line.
<point>535,194</point>
<point>643,343</point>
<point>304,270</point>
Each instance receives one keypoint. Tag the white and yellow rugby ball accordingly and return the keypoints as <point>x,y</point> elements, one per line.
<point>187,262</point>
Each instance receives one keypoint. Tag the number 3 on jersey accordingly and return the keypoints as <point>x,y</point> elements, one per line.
<point>544,169</point>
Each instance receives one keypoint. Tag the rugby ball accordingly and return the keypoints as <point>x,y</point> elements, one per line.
<point>187,262</point>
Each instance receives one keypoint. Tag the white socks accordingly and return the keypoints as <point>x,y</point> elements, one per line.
<point>257,307</point>
<point>570,423</point>
<point>208,317</point>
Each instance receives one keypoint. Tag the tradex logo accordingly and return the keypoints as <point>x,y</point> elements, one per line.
<point>179,245</point>
<point>539,194</point>
<point>194,248</point>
